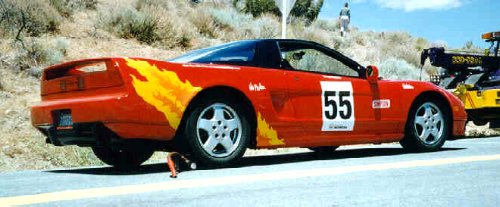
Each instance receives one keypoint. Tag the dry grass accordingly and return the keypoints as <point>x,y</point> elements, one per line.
<point>480,131</point>
<point>22,147</point>
<point>85,32</point>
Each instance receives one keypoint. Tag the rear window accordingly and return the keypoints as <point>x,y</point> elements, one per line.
<point>98,67</point>
<point>241,51</point>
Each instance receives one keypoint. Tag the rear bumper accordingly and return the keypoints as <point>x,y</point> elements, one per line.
<point>83,110</point>
<point>97,135</point>
<point>82,134</point>
<point>125,118</point>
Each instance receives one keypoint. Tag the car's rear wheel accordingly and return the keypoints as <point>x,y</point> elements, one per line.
<point>427,126</point>
<point>123,158</point>
<point>218,131</point>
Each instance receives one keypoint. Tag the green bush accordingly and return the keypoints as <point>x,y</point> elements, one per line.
<point>327,25</point>
<point>204,22</point>
<point>67,7</point>
<point>62,7</point>
<point>169,5</point>
<point>398,69</point>
<point>35,53</point>
<point>308,9</point>
<point>153,25</point>
<point>266,26</point>
<point>421,44</point>
<point>26,17</point>
<point>129,23</point>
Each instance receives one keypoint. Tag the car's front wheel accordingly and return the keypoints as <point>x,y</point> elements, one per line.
<point>218,132</point>
<point>123,158</point>
<point>427,126</point>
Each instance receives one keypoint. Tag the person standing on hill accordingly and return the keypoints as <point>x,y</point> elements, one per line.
<point>345,18</point>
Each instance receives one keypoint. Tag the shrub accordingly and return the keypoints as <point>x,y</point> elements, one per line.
<point>173,6</point>
<point>204,22</point>
<point>307,9</point>
<point>421,44</point>
<point>33,18</point>
<point>62,7</point>
<point>154,25</point>
<point>128,23</point>
<point>35,54</point>
<point>266,26</point>
<point>327,25</point>
<point>398,69</point>
<point>233,25</point>
<point>67,7</point>
<point>230,19</point>
<point>173,35</point>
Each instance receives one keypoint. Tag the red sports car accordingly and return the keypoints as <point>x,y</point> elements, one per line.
<point>216,102</point>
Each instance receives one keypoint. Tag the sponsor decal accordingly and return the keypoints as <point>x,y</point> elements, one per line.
<point>162,89</point>
<point>332,77</point>
<point>407,86</point>
<point>381,104</point>
<point>266,133</point>
<point>256,87</point>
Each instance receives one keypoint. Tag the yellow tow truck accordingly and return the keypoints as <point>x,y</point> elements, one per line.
<point>473,77</point>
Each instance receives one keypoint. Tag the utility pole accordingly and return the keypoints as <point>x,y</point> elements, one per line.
<point>285,7</point>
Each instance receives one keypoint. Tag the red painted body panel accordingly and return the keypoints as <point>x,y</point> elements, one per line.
<point>140,98</point>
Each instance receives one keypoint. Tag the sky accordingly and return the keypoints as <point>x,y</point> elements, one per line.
<point>451,21</point>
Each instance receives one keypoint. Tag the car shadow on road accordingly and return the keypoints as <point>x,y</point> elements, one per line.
<point>335,155</point>
<point>261,160</point>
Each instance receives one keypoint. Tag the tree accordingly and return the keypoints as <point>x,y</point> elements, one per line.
<point>308,9</point>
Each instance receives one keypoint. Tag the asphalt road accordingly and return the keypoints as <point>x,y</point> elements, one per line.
<point>465,173</point>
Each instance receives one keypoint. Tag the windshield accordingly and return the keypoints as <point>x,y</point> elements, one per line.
<point>241,51</point>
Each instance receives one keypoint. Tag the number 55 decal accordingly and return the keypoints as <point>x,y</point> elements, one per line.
<point>338,106</point>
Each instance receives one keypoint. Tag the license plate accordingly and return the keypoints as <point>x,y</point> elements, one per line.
<point>65,121</point>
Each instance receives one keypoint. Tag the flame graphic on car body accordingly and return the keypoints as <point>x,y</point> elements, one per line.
<point>162,89</point>
<point>266,133</point>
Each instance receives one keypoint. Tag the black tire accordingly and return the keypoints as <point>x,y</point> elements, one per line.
<point>324,150</point>
<point>126,158</point>
<point>419,121</point>
<point>220,133</point>
<point>479,122</point>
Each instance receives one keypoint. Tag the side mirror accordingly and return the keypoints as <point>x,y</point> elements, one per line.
<point>372,74</point>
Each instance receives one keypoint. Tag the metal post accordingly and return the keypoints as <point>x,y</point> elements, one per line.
<point>497,48</point>
<point>283,20</point>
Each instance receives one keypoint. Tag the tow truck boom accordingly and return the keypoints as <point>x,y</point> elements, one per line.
<point>473,77</point>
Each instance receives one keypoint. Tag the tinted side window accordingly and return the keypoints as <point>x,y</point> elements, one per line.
<point>314,58</point>
<point>316,61</point>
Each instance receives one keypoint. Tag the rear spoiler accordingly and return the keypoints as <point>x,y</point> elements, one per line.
<point>60,70</point>
<point>81,75</point>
